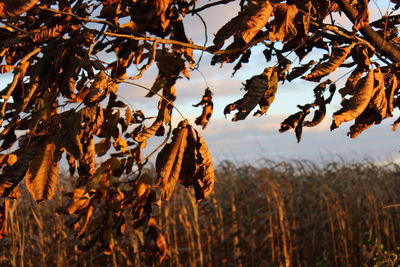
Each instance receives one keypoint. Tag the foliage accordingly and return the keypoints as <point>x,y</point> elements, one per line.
<point>68,58</point>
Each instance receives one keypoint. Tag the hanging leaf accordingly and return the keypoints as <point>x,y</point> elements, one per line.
<point>170,165</point>
<point>261,90</point>
<point>339,55</point>
<point>70,137</point>
<point>358,103</point>
<point>42,175</point>
<point>11,176</point>
<point>208,105</point>
<point>245,25</point>
<point>283,27</point>
<point>13,8</point>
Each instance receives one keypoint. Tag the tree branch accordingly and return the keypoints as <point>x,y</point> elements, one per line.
<point>380,44</point>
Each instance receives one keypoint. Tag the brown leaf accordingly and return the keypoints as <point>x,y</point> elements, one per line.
<point>6,68</point>
<point>169,66</point>
<point>204,176</point>
<point>367,119</point>
<point>11,176</point>
<point>42,175</point>
<point>378,101</point>
<point>269,94</point>
<point>362,18</point>
<point>358,103</point>
<point>87,163</point>
<point>170,164</point>
<point>245,25</point>
<point>339,55</point>
<point>70,137</point>
<point>260,89</point>
<point>391,84</point>
<point>283,27</point>
<point>351,82</point>
<point>148,132</point>
<point>102,146</point>
<point>208,105</point>
<point>13,8</point>
<point>99,89</point>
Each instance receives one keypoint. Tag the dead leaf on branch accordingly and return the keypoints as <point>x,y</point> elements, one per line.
<point>170,165</point>
<point>357,104</point>
<point>261,90</point>
<point>208,105</point>
<point>169,67</point>
<point>13,8</point>
<point>283,27</point>
<point>339,55</point>
<point>245,25</point>
<point>188,160</point>
<point>42,175</point>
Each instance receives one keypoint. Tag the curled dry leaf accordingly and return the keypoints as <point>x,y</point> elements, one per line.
<point>283,27</point>
<point>391,84</point>
<point>170,161</point>
<point>378,101</point>
<point>367,119</point>
<point>13,8</point>
<point>11,176</point>
<point>208,105</point>
<point>70,137</point>
<point>188,160</point>
<point>358,103</point>
<point>339,55</point>
<point>169,67</point>
<point>245,25</point>
<point>42,175</point>
<point>261,90</point>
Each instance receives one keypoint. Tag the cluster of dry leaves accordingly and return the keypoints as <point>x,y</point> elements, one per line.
<point>68,58</point>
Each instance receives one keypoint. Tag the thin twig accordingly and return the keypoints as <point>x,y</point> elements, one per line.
<point>188,45</point>
<point>78,17</point>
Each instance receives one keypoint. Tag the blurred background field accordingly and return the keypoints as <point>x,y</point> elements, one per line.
<point>277,214</point>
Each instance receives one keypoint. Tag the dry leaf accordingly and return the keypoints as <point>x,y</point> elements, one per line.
<point>283,27</point>
<point>358,103</point>
<point>42,175</point>
<point>208,105</point>
<point>170,166</point>
<point>339,55</point>
<point>261,91</point>
<point>13,8</point>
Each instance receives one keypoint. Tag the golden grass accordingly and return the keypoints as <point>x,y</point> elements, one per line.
<point>287,214</point>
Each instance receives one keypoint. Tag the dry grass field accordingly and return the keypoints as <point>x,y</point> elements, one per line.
<point>277,214</point>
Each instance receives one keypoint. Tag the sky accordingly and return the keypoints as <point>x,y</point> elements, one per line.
<point>257,138</point>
